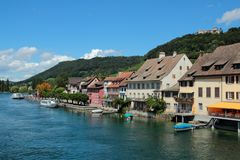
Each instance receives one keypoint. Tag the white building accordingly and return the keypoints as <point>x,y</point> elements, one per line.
<point>154,76</point>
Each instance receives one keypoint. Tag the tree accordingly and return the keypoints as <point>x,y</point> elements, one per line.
<point>84,98</point>
<point>43,88</point>
<point>14,89</point>
<point>121,104</point>
<point>156,105</point>
<point>23,89</point>
<point>58,91</point>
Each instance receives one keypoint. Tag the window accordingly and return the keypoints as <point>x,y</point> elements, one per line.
<point>237,95</point>
<point>190,83</point>
<point>147,86</point>
<point>167,85</point>
<point>173,76</point>
<point>217,94</point>
<point>138,86</point>
<point>134,86</point>
<point>236,66</point>
<point>167,94</point>
<point>208,92</point>
<point>200,92</point>
<point>188,68</point>
<point>143,86</point>
<point>237,79</point>
<point>219,67</point>
<point>206,68</point>
<point>129,86</point>
<point>229,95</point>
<point>200,106</point>
<point>229,79</point>
<point>183,84</point>
<point>180,67</point>
<point>157,85</point>
<point>152,85</point>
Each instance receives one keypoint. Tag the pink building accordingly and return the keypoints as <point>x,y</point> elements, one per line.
<point>96,94</point>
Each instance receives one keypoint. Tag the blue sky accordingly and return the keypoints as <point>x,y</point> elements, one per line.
<point>68,29</point>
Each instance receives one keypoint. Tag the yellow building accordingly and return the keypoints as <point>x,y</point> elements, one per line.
<point>214,83</point>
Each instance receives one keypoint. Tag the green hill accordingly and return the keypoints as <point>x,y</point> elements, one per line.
<point>194,44</point>
<point>99,66</point>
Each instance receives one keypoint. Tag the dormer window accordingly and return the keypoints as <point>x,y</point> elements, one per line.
<point>220,64</point>
<point>205,68</point>
<point>208,65</point>
<point>236,66</point>
<point>219,67</point>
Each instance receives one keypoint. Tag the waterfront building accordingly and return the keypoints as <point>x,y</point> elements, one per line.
<point>214,82</point>
<point>79,84</point>
<point>169,95</point>
<point>86,82</point>
<point>95,93</point>
<point>115,87</point>
<point>73,85</point>
<point>155,76</point>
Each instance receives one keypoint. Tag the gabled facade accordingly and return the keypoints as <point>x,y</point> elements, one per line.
<point>113,86</point>
<point>86,82</point>
<point>215,82</point>
<point>154,76</point>
<point>73,85</point>
<point>96,94</point>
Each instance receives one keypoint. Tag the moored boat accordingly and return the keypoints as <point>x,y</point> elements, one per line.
<point>17,96</point>
<point>128,116</point>
<point>183,127</point>
<point>48,103</point>
<point>97,111</point>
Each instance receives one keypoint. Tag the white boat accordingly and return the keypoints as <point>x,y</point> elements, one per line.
<point>48,103</point>
<point>17,96</point>
<point>97,111</point>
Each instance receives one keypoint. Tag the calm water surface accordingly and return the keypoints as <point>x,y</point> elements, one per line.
<point>28,131</point>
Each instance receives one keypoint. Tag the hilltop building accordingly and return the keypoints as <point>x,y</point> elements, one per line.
<point>214,30</point>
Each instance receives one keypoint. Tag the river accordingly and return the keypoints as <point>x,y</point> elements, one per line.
<point>29,131</point>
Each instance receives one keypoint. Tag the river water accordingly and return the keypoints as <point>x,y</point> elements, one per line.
<point>28,131</point>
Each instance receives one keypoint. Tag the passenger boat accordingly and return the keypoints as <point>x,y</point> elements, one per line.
<point>97,111</point>
<point>183,127</point>
<point>48,103</point>
<point>128,116</point>
<point>17,96</point>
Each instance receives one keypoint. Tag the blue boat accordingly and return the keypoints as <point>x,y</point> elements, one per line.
<point>183,127</point>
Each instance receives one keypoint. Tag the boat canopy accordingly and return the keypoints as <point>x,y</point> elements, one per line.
<point>225,105</point>
<point>126,115</point>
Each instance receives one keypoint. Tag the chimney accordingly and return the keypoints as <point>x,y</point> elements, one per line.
<point>174,54</point>
<point>161,55</point>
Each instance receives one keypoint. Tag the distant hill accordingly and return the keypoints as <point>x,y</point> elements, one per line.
<point>99,66</point>
<point>194,44</point>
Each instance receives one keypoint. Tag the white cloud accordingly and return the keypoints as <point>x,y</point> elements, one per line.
<point>100,53</point>
<point>27,61</point>
<point>230,16</point>
<point>26,52</point>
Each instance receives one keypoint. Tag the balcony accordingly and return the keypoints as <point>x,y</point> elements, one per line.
<point>184,100</point>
